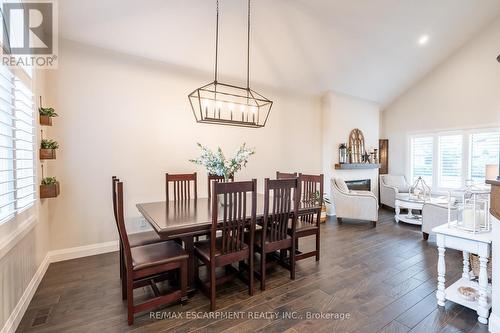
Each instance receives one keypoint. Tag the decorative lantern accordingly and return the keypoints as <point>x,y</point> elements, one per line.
<point>473,210</point>
<point>343,153</point>
<point>420,190</point>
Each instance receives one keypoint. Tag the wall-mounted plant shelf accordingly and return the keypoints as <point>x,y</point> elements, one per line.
<point>45,120</point>
<point>49,191</point>
<point>47,154</point>
<point>357,166</point>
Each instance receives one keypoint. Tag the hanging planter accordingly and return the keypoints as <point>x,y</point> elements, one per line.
<point>46,114</point>
<point>48,149</point>
<point>49,188</point>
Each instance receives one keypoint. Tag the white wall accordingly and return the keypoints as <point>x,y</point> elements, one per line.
<point>130,117</point>
<point>463,92</point>
<point>341,114</point>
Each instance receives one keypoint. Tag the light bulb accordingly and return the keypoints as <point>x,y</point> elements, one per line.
<point>254,109</point>
<point>231,106</point>
<point>242,108</point>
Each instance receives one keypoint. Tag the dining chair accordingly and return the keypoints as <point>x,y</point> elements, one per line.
<point>135,239</point>
<point>144,263</point>
<point>308,223</point>
<point>285,175</point>
<point>184,186</point>
<point>234,218</point>
<point>274,236</point>
<point>215,179</point>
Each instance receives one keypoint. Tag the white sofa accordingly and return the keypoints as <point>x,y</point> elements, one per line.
<point>359,205</point>
<point>435,215</point>
<point>390,185</point>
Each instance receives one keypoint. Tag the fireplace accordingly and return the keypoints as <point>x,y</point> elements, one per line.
<point>359,185</point>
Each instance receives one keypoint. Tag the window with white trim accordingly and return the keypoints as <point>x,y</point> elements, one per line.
<point>422,158</point>
<point>484,150</point>
<point>17,173</point>
<point>446,160</point>
<point>450,161</point>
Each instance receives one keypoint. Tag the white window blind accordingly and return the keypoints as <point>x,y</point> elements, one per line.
<point>484,150</point>
<point>450,161</point>
<point>17,174</point>
<point>422,158</point>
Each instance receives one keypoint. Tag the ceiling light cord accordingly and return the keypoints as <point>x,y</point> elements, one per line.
<point>216,40</point>
<point>248,48</point>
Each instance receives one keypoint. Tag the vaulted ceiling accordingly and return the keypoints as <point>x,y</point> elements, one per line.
<point>364,48</point>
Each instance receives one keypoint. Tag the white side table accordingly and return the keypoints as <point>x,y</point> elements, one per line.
<point>479,244</point>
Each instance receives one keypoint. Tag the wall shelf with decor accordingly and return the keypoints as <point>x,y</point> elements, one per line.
<point>355,166</point>
<point>49,186</point>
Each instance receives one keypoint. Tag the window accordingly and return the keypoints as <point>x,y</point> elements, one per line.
<point>17,175</point>
<point>450,161</point>
<point>422,158</point>
<point>484,150</point>
<point>447,160</point>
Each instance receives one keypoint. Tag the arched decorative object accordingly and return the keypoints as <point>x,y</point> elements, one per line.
<point>357,145</point>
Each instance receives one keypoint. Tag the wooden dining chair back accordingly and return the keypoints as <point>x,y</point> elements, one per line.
<point>216,179</point>
<point>311,201</point>
<point>285,175</point>
<point>144,263</point>
<point>181,187</point>
<point>233,217</point>
<point>281,200</point>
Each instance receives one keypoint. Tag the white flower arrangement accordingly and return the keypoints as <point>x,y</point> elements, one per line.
<point>217,164</point>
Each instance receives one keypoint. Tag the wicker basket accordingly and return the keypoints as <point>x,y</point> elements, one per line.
<point>474,265</point>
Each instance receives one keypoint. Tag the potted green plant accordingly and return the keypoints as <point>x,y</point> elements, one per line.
<point>49,188</point>
<point>315,200</point>
<point>48,149</point>
<point>46,115</point>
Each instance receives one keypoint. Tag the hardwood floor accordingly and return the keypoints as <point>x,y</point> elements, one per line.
<point>383,278</point>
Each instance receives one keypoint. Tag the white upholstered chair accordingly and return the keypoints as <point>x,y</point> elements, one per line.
<point>359,205</point>
<point>434,215</point>
<point>390,185</point>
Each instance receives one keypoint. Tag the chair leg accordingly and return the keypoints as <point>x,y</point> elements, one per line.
<point>250,274</point>
<point>212,286</point>
<point>374,224</point>
<point>130,299</point>
<point>292,262</point>
<point>262,270</point>
<point>425,235</point>
<point>184,278</point>
<point>339,220</point>
<point>317,244</point>
<point>121,259</point>
<point>124,282</point>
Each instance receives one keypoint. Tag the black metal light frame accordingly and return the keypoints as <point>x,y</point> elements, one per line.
<point>226,104</point>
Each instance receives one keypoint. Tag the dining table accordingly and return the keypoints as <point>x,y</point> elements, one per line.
<point>186,219</point>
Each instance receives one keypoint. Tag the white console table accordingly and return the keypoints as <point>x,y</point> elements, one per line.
<point>479,244</point>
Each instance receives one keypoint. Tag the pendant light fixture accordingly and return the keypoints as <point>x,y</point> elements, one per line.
<point>226,104</point>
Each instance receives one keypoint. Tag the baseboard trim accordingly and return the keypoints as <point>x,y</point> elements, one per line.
<point>17,314</point>
<point>494,326</point>
<point>82,251</point>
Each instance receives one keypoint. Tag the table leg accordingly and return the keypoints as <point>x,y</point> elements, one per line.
<point>482,309</point>
<point>441,293</point>
<point>466,269</point>
<point>398,211</point>
<point>409,214</point>
<point>189,247</point>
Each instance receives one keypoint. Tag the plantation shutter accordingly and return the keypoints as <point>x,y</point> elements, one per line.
<point>422,158</point>
<point>17,174</point>
<point>450,161</point>
<point>484,150</point>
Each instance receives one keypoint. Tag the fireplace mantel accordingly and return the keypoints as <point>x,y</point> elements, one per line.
<point>356,166</point>
<point>495,198</point>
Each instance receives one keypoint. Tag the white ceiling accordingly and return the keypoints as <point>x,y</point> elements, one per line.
<point>364,48</point>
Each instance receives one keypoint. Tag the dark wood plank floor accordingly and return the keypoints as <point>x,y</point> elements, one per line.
<point>383,278</point>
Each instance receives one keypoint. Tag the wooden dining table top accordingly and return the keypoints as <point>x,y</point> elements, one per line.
<point>174,219</point>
